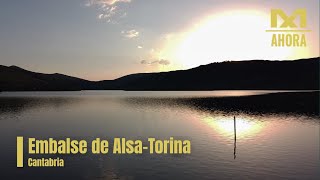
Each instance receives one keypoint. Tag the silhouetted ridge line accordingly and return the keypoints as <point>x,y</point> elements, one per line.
<point>231,75</point>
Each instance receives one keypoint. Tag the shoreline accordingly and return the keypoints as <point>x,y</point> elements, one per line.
<point>281,102</point>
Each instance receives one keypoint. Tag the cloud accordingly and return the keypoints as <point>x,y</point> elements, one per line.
<point>164,62</point>
<point>160,62</point>
<point>168,36</point>
<point>130,34</point>
<point>104,3</point>
<point>108,9</point>
<point>144,62</point>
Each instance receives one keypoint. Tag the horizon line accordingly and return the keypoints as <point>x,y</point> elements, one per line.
<point>226,61</point>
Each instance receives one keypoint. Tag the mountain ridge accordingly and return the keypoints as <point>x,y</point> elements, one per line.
<point>300,74</point>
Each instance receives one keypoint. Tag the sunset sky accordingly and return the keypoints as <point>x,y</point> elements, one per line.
<point>105,39</point>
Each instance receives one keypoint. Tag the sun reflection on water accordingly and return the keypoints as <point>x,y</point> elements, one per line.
<point>245,127</point>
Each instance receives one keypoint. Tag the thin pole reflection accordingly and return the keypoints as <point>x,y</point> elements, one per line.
<point>235,138</point>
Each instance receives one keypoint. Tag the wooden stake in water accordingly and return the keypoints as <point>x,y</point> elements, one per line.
<point>235,137</point>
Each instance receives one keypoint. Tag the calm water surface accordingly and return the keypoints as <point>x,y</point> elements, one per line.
<point>268,146</point>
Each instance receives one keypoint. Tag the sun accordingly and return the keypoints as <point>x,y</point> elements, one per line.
<point>229,35</point>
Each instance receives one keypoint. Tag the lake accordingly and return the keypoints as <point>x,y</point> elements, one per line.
<point>269,144</point>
